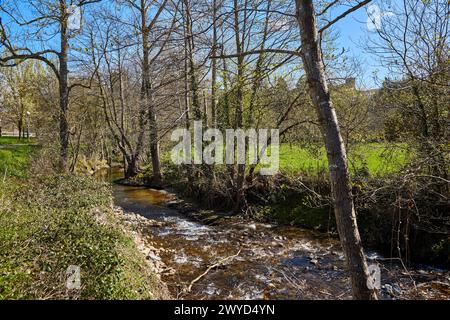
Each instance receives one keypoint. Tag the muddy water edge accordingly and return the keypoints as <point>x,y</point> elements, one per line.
<point>243,259</point>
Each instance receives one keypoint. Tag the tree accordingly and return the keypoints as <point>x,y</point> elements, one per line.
<point>414,44</point>
<point>352,109</point>
<point>146,26</point>
<point>251,29</point>
<point>129,54</point>
<point>34,24</point>
<point>17,95</point>
<point>337,159</point>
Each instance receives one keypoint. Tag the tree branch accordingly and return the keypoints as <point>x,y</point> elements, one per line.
<point>247,53</point>
<point>344,14</point>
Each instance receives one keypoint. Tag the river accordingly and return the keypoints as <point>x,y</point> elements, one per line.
<point>262,261</point>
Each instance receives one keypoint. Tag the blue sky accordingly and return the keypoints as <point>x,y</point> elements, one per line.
<point>353,31</point>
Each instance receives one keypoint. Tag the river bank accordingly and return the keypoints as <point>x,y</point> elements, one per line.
<point>153,245</point>
<point>55,223</point>
<point>235,258</point>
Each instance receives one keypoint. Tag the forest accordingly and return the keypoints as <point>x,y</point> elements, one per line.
<point>347,102</point>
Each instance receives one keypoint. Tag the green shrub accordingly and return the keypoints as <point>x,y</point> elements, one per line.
<point>48,224</point>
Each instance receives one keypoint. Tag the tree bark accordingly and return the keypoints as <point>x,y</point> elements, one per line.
<point>214,68</point>
<point>20,127</point>
<point>239,193</point>
<point>122,103</point>
<point>147,96</point>
<point>336,154</point>
<point>63,90</point>
<point>195,100</point>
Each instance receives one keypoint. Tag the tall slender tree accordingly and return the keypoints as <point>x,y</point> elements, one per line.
<point>337,159</point>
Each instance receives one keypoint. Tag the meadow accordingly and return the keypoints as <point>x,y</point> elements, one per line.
<point>375,159</point>
<point>16,140</point>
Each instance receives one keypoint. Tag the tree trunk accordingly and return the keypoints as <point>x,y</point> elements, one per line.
<point>337,159</point>
<point>20,127</point>
<point>226,101</point>
<point>122,106</point>
<point>214,68</point>
<point>147,95</point>
<point>154,148</point>
<point>28,128</point>
<point>195,100</point>
<point>240,177</point>
<point>187,117</point>
<point>63,91</point>
<point>131,170</point>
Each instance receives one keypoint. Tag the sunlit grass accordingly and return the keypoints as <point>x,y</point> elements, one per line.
<point>16,140</point>
<point>373,158</point>
<point>13,161</point>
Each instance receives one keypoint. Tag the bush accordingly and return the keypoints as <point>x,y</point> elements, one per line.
<point>50,223</point>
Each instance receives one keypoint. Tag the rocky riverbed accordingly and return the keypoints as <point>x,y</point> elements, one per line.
<point>208,256</point>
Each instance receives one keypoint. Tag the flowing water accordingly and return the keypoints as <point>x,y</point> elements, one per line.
<point>265,261</point>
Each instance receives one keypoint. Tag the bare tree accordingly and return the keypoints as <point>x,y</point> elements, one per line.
<point>33,24</point>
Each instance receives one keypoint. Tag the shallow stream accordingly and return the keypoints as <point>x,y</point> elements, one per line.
<point>262,261</point>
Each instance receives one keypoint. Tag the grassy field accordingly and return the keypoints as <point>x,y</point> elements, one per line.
<point>15,155</point>
<point>13,161</point>
<point>373,158</point>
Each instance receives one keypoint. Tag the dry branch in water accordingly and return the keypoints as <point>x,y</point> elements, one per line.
<point>218,264</point>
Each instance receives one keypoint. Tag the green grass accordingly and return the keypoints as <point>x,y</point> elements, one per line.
<point>374,158</point>
<point>15,155</point>
<point>14,160</point>
<point>16,140</point>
